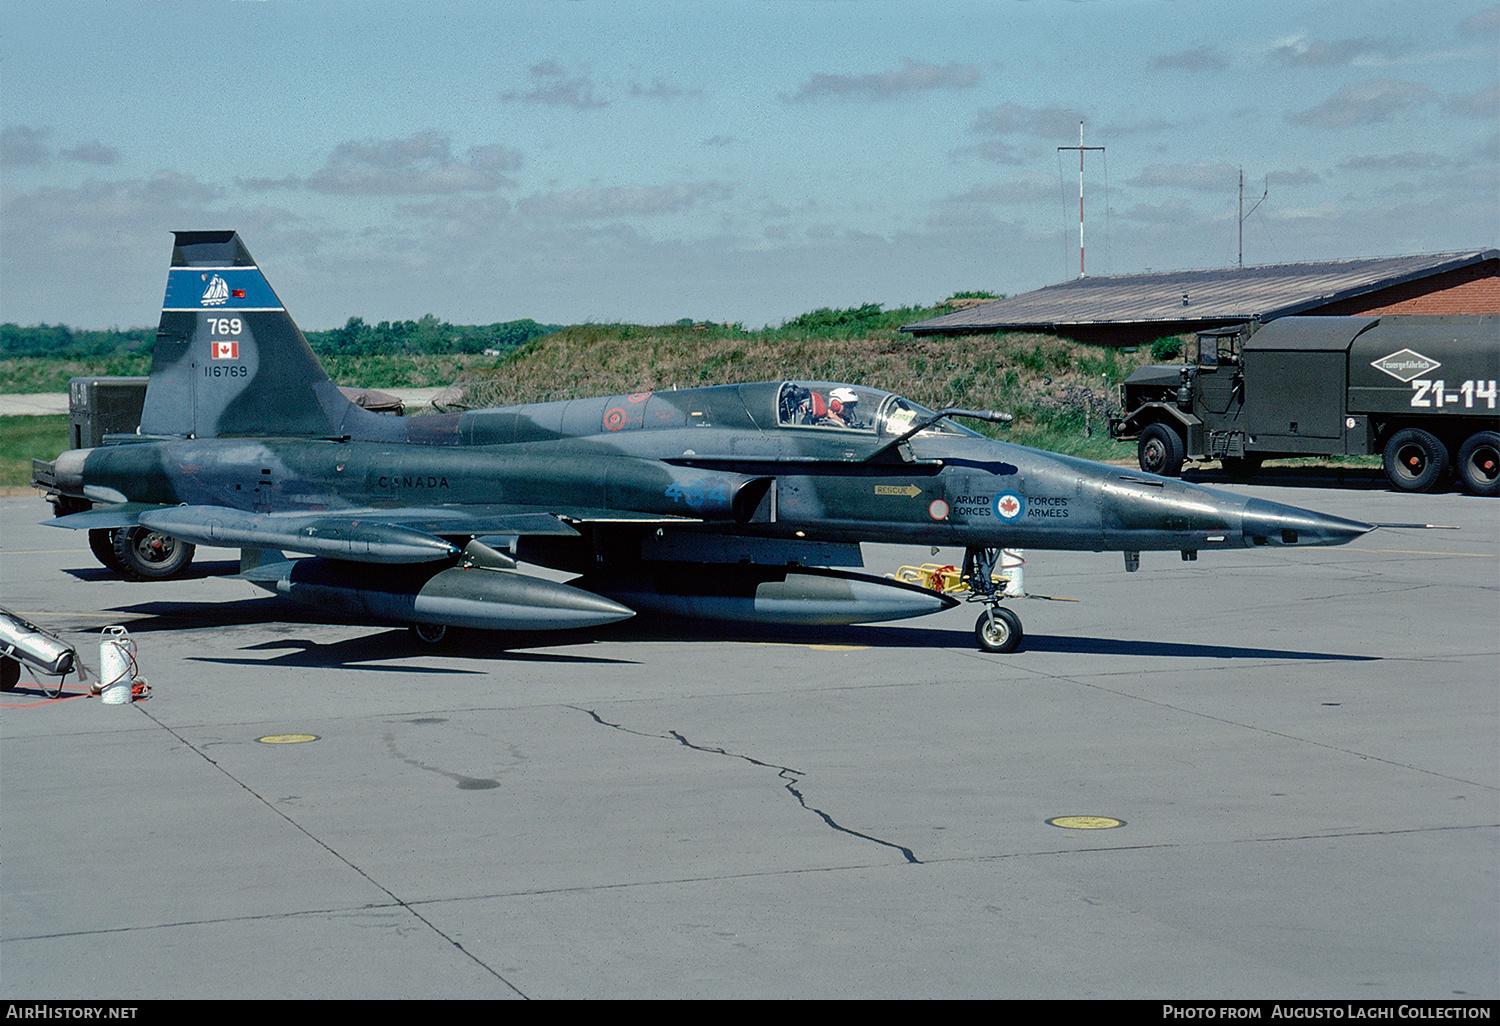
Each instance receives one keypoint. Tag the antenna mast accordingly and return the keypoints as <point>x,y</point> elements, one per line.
<point>1244,214</point>
<point>1080,148</point>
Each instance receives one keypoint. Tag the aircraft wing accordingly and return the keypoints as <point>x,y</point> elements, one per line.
<point>511,518</point>
<point>406,535</point>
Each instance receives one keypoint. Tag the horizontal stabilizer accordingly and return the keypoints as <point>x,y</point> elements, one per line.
<point>121,514</point>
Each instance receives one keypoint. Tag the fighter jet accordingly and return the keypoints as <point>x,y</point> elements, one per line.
<point>740,503</point>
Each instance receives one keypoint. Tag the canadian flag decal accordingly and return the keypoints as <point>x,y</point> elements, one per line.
<point>226,350</point>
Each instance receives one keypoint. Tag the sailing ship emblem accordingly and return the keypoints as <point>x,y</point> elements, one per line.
<point>217,293</point>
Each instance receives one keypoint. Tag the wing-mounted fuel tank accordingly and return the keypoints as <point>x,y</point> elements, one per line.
<point>739,579</point>
<point>803,596</point>
<point>481,592</point>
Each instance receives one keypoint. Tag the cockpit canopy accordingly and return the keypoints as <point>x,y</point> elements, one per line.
<point>831,406</point>
<point>813,406</point>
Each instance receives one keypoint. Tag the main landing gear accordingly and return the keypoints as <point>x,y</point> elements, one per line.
<point>997,629</point>
<point>141,554</point>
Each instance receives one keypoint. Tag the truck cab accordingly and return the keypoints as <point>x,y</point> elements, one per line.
<point>1418,390</point>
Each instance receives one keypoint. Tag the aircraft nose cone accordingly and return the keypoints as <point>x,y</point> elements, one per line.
<point>1271,523</point>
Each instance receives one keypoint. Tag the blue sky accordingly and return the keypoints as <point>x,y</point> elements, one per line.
<point>734,161</point>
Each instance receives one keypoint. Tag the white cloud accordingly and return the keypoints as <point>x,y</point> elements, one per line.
<point>92,153</point>
<point>1365,103</point>
<point>621,201</point>
<point>1049,122</point>
<point>553,88</point>
<point>22,146</point>
<point>913,77</point>
<point>418,164</point>
<point>1200,176</point>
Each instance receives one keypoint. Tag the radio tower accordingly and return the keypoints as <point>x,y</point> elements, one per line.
<point>1080,148</point>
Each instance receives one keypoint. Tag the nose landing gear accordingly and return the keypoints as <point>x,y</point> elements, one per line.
<point>997,629</point>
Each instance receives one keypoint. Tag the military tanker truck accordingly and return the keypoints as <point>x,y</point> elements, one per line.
<point>1418,390</point>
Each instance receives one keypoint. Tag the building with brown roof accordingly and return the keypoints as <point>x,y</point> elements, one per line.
<point>1137,308</point>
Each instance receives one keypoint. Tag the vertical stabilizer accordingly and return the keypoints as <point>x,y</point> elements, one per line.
<point>229,360</point>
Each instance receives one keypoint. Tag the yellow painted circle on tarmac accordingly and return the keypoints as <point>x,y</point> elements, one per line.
<point>1085,822</point>
<point>286,739</point>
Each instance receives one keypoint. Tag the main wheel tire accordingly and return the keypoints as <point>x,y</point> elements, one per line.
<point>1415,461</point>
<point>1479,463</point>
<point>102,545</point>
<point>431,634</point>
<point>1161,451</point>
<point>147,555</point>
<point>10,674</point>
<point>998,631</point>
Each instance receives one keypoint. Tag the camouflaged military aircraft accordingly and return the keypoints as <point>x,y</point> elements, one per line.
<point>730,503</point>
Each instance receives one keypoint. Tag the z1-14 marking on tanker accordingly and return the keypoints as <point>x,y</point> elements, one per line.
<point>729,503</point>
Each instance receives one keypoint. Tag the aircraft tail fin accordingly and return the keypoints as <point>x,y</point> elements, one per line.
<point>229,360</point>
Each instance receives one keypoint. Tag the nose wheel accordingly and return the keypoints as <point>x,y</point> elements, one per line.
<point>997,629</point>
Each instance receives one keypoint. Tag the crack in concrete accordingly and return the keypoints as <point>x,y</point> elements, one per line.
<point>399,902</point>
<point>465,783</point>
<point>791,776</point>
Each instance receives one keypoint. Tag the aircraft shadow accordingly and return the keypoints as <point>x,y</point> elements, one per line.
<point>374,650</point>
<point>1347,478</point>
<point>1174,649</point>
<point>644,628</point>
<point>196,571</point>
<point>363,652</point>
<point>180,616</point>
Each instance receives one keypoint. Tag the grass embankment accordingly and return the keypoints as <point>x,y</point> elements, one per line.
<point>30,375</point>
<point>23,439</point>
<point>1059,392</point>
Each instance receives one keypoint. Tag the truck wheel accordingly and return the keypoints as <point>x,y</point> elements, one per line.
<point>1479,463</point>
<point>1161,451</point>
<point>148,555</point>
<point>1415,461</point>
